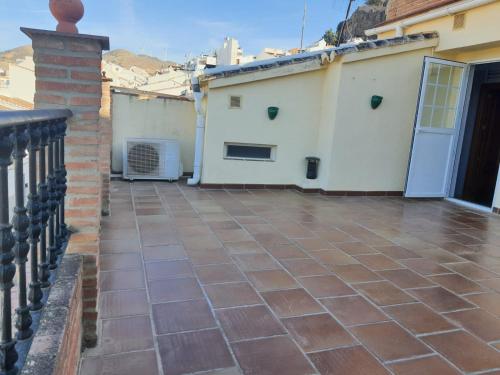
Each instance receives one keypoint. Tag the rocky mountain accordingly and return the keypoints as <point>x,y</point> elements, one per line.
<point>364,17</point>
<point>120,57</point>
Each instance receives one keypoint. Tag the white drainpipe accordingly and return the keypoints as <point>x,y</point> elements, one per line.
<point>200,132</point>
<point>399,27</point>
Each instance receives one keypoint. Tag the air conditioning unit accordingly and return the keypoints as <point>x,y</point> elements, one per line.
<point>151,159</point>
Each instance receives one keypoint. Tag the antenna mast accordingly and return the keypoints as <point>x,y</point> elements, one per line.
<point>344,23</point>
<point>303,26</point>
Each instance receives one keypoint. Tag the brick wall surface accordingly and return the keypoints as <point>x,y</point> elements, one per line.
<point>400,8</point>
<point>68,75</point>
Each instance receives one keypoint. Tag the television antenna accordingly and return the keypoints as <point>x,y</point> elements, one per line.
<point>303,26</point>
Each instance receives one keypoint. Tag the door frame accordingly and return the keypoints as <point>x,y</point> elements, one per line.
<point>459,122</point>
<point>464,112</point>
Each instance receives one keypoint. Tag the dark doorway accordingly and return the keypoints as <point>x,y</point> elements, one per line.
<point>484,155</point>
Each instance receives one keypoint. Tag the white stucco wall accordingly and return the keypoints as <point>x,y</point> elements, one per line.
<point>294,131</point>
<point>371,148</point>
<point>161,118</point>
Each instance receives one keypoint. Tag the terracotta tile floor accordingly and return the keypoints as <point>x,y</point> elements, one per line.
<point>281,283</point>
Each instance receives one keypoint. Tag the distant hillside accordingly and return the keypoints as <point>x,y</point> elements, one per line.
<point>12,55</point>
<point>128,59</point>
<point>120,57</point>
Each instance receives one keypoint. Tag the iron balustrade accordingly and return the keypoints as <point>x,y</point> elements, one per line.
<point>35,233</point>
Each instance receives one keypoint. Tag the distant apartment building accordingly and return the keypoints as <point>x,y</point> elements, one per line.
<point>19,80</point>
<point>123,77</point>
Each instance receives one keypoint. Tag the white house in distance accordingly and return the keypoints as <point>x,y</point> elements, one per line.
<point>19,81</point>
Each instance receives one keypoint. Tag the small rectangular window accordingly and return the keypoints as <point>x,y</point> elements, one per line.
<point>250,152</point>
<point>234,101</point>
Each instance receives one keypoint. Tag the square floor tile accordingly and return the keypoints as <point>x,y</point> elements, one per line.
<point>397,252</point>
<point>440,299</point>
<point>326,286</point>
<point>123,303</point>
<point>122,280</point>
<point>176,317</point>
<point>242,323</point>
<point>355,248</point>
<point>333,257</point>
<point>434,365</point>
<point>471,271</point>
<point>355,273</point>
<point>169,269</point>
<point>312,244</point>
<point>479,322</point>
<point>354,310</point>
<point>243,247</point>
<point>233,294</point>
<point>122,261</point>
<point>255,262</point>
<point>183,353</point>
<point>425,266</point>
<point>293,302</point>
<point>355,360</point>
<point>208,256</point>
<point>384,293</point>
<point>318,332</point>
<point>378,262</point>
<point>129,363</point>
<point>456,283</point>
<point>465,351</point>
<point>170,290</point>
<point>287,251</point>
<point>271,280</point>
<point>389,341</point>
<point>276,355</point>
<point>304,267</point>
<point>219,273</point>
<point>405,278</point>
<point>418,318</point>
<point>126,335</point>
<point>164,252</point>
<point>488,301</point>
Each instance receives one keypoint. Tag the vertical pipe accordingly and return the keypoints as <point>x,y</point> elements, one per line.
<point>8,351</point>
<point>20,223</point>
<point>35,293</point>
<point>44,208</point>
<point>64,228</point>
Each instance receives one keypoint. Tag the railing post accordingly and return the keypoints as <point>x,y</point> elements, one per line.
<point>44,206</point>
<point>8,353</point>
<point>63,181</point>
<point>35,293</point>
<point>20,223</point>
<point>57,190</point>
<point>52,202</point>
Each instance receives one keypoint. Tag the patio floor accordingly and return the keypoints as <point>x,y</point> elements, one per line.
<point>277,282</point>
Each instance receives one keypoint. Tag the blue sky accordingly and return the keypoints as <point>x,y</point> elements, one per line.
<point>176,28</point>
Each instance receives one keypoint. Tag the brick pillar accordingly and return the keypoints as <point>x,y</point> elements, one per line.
<point>68,75</point>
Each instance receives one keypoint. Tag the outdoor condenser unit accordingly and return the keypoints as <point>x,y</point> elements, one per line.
<point>151,159</point>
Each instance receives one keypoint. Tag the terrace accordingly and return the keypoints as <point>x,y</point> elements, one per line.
<point>280,282</point>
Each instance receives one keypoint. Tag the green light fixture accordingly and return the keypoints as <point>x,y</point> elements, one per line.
<point>376,101</point>
<point>272,112</point>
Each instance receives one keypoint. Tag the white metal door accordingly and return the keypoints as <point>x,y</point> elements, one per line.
<point>436,129</point>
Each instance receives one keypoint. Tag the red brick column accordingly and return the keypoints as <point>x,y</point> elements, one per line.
<point>106,140</point>
<point>68,75</point>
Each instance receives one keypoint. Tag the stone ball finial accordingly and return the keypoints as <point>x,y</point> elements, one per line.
<point>67,13</point>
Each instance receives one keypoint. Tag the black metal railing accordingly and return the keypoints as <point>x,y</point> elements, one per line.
<point>34,233</point>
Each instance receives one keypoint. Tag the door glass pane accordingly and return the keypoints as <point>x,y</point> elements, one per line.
<point>440,100</point>
<point>437,118</point>
<point>433,73</point>
<point>444,75</point>
<point>426,117</point>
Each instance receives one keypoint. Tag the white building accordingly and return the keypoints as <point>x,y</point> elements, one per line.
<point>122,77</point>
<point>232,54</point>
<point>21,80</point>
<point>173,81</point>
